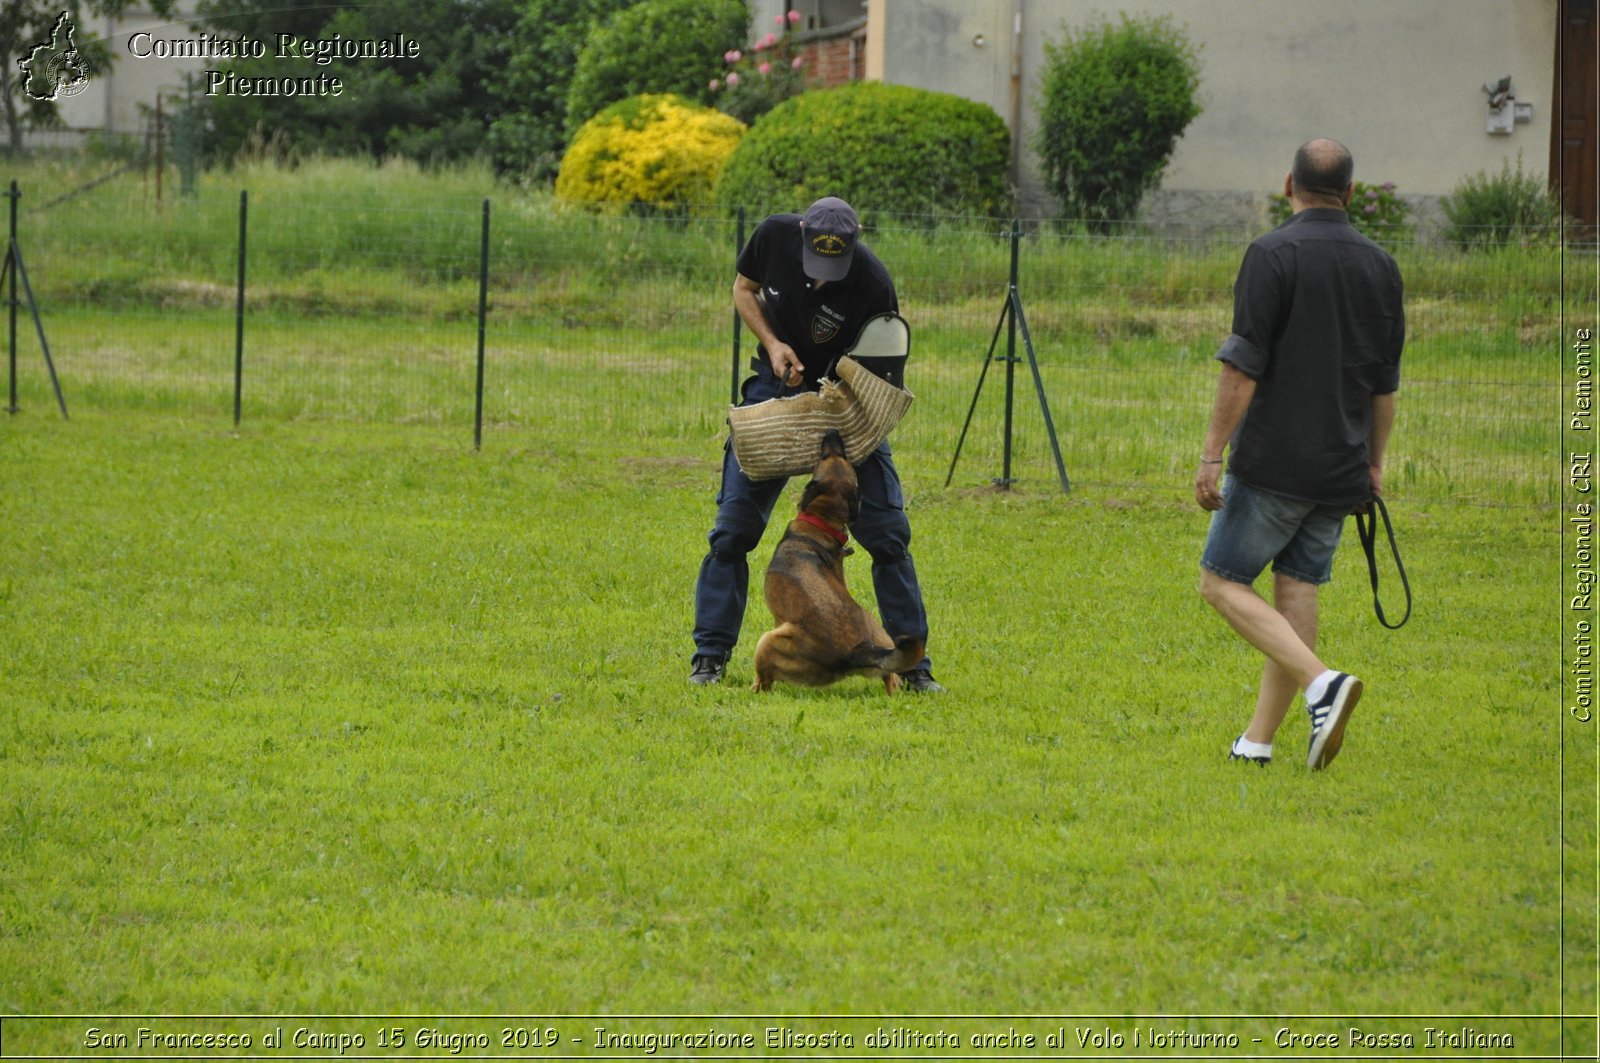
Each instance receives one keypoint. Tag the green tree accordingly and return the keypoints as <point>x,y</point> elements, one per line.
<point>429,107</point>
<point>30,31</point>
<point>653,47</point>
<point>1113,101</point>
<point>527,134</point>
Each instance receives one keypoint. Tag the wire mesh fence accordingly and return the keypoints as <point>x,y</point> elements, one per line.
<point>365,306</point>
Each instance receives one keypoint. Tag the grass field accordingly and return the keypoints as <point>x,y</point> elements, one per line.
<point>333,715</point>
<point>322,719</point>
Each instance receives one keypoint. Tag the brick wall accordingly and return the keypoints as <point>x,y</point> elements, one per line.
<point>828,60</point>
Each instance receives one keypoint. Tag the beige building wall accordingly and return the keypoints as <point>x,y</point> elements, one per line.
<point>1398,81</point>
<point>119,99</point>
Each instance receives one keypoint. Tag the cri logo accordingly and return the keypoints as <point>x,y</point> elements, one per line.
<point>828,244</point>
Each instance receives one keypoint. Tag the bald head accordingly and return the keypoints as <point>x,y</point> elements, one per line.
<point>1322,169</point>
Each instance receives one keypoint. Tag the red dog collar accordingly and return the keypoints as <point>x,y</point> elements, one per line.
<point>841,537</point>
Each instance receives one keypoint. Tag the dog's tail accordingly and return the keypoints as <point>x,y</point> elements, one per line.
<point>904,657</point>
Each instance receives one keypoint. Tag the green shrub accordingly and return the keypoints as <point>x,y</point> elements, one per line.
<point>1112,104</point>
<point>888,149</point>
<point>654,47</point>
<point>1375,211</point>
<point>1491,211</point>
<point>656,152</point>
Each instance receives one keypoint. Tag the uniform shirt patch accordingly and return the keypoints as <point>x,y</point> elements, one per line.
<point>825,324</point>
<point>823,329</point>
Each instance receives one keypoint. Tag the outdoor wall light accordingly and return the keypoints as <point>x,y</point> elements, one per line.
<point>1505,112</point>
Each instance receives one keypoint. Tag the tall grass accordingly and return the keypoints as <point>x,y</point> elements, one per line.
<point>362,299</point>
<point>422,226</point>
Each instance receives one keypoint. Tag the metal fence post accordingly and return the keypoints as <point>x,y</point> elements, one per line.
<point>13,194</point>
<point>238,325</point>
<point>1011,349</point>
<point>483,313</point>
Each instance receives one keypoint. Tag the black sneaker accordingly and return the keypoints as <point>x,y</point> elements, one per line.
<point>707,669</point>
<point>920,681</point>
<point>1328,718</point>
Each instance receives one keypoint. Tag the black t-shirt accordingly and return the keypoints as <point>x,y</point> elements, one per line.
<point>819,323</point>
<point>1318,323</point>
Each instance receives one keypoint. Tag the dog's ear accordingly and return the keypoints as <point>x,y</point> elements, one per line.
<point>853,500</point>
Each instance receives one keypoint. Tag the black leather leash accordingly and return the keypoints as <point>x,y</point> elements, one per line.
<point>1367,529</point>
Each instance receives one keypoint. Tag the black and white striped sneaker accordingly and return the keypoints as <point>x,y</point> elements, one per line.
<point>1328,719</point>
<point>1234,754</point>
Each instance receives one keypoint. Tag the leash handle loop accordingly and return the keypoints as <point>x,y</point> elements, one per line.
<point>1367,529</point>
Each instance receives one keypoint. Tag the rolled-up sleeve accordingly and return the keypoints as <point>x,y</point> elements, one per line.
<point>1243,356</point>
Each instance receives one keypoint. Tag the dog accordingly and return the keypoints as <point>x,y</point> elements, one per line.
<point>823,634</point>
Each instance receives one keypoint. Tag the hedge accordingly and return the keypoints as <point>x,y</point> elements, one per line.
<point>655,152</point>
<point>887,149</point>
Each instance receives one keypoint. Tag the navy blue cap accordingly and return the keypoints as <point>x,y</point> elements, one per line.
<point>829,236</point>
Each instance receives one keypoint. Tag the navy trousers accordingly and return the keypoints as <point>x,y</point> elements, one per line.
<point>744,506</point>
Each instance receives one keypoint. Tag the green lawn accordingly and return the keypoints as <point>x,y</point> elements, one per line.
<point>335,715</point>
<point>328,719</point>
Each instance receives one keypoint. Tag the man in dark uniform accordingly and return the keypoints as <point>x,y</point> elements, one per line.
<point>805,287</point>
<point>1304,406</point>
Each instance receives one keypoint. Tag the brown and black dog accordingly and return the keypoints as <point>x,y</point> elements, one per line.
<point>823,634</point>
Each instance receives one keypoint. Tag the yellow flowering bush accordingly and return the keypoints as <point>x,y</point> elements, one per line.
<point>652,151</point>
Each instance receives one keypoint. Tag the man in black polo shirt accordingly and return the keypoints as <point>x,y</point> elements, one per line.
<point>805,287</point>
<point>1304,407</point>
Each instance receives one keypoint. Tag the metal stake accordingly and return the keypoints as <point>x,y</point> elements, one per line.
<point>483,313</point>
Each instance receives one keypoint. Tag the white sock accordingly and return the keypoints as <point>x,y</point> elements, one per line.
<point>1246,748</point>
<point>1319,686</point>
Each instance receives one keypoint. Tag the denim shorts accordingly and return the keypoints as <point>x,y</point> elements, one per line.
<point>1255,527</point>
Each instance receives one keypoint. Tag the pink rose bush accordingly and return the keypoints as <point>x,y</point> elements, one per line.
<point>772,71</point>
